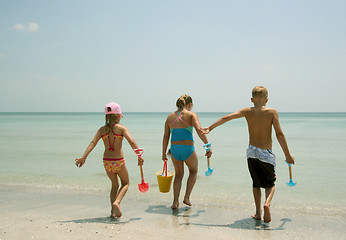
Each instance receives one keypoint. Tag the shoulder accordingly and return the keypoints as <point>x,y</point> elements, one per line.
<point>171,116</point>
<point>120,127</point>
<point>245,111</point>
<point>272,111</point>
<point>191,114</point>
<point>102,129</point>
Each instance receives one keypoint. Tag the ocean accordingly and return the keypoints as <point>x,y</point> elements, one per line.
<point>38,152</point>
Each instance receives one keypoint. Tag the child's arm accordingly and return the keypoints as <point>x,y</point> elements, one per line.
<point>197,125</point>
<point>132,143</point>
<point>165,141</point>
<point>224,119</point>
<point>281,138</point>
<point>80,161</point>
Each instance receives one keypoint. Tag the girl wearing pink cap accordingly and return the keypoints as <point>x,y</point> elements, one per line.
<point>112,134</point>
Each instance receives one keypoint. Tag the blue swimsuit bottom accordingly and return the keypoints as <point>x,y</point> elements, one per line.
<point>182,152</point>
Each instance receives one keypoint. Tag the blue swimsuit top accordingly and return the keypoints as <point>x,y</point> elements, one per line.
<point>180,134</point>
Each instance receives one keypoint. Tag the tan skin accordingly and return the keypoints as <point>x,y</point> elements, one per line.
<point>260,120</point>
<point>116,194</point>
<point>191,119</point>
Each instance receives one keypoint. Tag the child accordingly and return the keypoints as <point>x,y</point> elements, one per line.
<point>180,125</point>
<point>261,160</point>
<point>112,134</point>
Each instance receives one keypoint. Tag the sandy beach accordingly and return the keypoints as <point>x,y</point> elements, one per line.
<point>50,198</point>
<point>47,214</point>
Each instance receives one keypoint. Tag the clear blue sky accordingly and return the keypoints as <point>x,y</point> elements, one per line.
<point>143,54</point>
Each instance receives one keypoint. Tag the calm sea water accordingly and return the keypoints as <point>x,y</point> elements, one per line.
<point>37,150</point>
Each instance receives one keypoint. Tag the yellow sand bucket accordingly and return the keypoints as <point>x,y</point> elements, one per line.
<point>164,178</point>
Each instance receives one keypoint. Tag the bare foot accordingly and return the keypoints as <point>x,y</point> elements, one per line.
<point>175,206</point>
<point>112,212</point>
<point>117,211</point>
<point>257,216</point>
<point>266,216</point>
<point>187,202</point>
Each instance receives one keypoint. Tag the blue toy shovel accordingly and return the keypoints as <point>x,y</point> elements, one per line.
<point>290,183</point>
<point>210,170</point>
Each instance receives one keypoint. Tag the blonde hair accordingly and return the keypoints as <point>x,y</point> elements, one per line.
<point>183,101</point>
<point>112,118</point>
<point>260,91</point>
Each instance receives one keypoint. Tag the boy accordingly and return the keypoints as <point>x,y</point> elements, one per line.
<point>261,160</point>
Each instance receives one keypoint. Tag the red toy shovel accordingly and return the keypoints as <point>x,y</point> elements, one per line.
<point>144,186</point>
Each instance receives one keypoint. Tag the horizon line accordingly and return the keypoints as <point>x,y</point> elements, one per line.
<point>171,111</point>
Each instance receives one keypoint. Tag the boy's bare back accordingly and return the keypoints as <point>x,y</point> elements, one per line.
<point>260,121</point>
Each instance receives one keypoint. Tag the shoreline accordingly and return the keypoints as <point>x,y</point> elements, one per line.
<point>27,213</point>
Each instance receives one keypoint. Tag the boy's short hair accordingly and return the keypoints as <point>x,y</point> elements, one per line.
<point>260,91</point>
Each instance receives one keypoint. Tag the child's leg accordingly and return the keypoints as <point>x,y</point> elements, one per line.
<point>192,164</point>
<point>179,174</point>
<point>114,190</point>
<point>257,198</point>
<point>269,196</point>
<point>124,178</point>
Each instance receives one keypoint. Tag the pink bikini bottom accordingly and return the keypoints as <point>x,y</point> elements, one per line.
<point>113,165</point>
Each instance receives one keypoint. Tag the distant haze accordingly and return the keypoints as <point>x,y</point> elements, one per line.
<point>79,55</point>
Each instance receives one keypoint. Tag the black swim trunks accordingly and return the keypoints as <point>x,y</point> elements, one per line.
<point>262,174</point>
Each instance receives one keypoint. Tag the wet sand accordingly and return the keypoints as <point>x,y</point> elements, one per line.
<point>38,214</point>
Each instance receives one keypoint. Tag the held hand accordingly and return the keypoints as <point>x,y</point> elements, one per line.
<point>205,130</point>
<point>80,161</point>
<point>290,159</point>
<point>208,154</point>
<point>140,161</point>
<point>164,157</point>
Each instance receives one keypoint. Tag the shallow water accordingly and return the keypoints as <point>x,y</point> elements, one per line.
<point>38,151</point>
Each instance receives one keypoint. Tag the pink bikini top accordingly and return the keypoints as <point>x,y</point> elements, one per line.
<point>179,117</point>
<point>181,134</point>
<point>111,145</point>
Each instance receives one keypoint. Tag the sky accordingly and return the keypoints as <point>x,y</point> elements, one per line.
<point>78,55</point>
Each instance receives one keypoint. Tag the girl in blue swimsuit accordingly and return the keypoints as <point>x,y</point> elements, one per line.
<point>180,125</point>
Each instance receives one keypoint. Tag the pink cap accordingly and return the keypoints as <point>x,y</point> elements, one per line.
<point>114,109</point>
